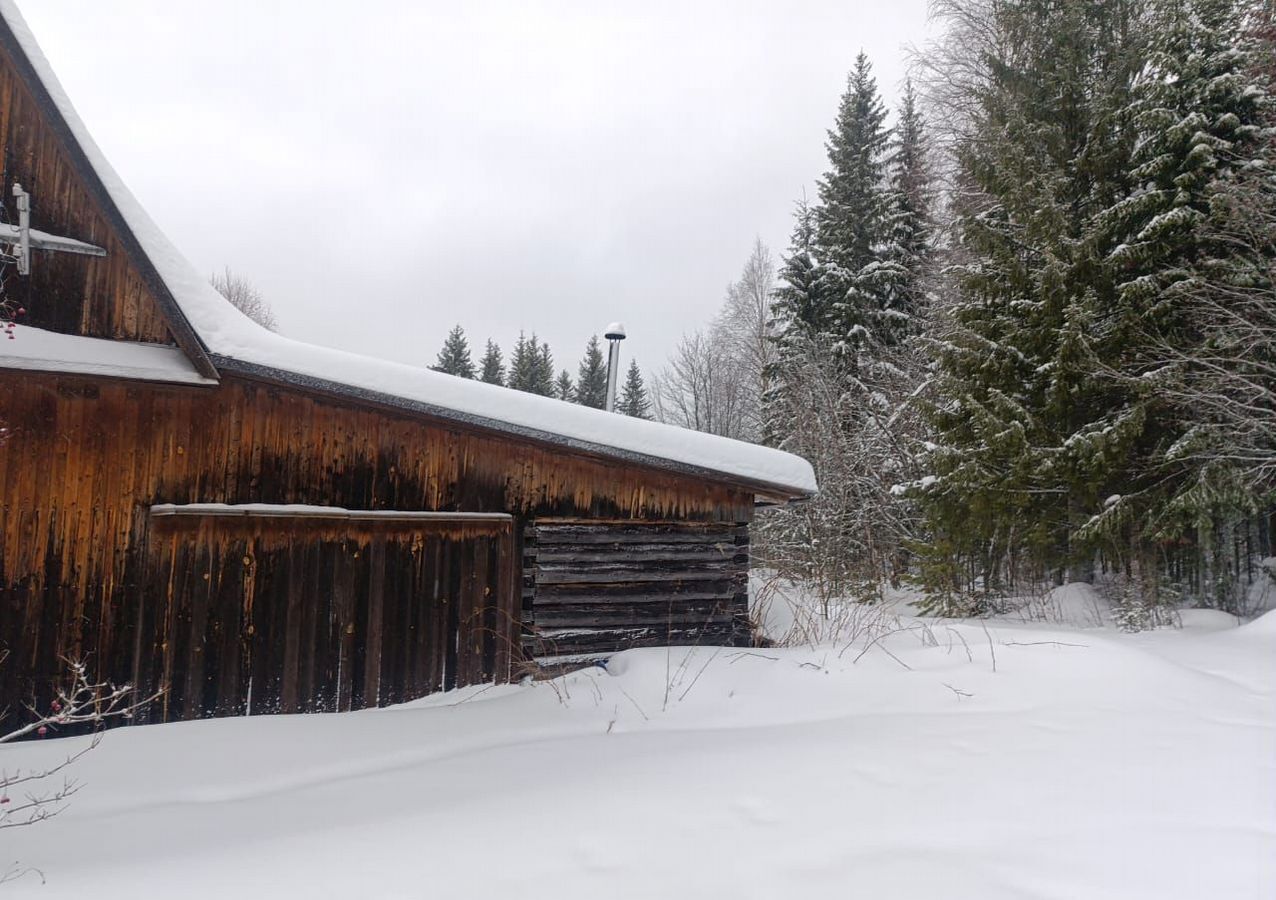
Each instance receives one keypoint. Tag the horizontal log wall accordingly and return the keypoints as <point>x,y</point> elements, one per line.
<point>593,588</point>
<point>85,459</point>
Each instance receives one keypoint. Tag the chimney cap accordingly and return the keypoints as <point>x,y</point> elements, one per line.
<point>615,332</point>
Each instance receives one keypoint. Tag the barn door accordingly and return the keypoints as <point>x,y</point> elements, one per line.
<point>593,588</point>
<point>251,610</point>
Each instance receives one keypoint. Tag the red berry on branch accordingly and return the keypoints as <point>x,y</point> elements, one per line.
<point>56,705</point>
<point>42,731</point>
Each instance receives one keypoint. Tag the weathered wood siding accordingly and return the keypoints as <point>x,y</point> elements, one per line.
<point>262,614</point>
<point>591,588</point>
<point>85,460</point>
<point>213,615</point>
<point>111,297</point>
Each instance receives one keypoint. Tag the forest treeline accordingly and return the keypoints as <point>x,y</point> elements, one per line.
<point>1026,331</point>
<point>530,368</point>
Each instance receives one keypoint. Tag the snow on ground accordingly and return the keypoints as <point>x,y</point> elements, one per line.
<point>1000,759</point>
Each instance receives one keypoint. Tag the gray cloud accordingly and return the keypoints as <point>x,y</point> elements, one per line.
<point>384,170</point>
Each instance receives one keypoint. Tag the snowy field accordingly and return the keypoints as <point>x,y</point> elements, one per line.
<point>904,759</point>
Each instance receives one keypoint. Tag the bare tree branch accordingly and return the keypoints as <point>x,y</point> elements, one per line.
<point>245,297</point>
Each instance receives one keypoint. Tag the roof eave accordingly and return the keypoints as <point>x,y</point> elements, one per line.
<point>183,332</point>
<point>771,493</point>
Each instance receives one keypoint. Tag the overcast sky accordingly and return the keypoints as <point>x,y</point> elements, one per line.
<point>383,170</point>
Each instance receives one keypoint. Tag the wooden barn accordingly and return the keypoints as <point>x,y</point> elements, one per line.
<point>249,524</point>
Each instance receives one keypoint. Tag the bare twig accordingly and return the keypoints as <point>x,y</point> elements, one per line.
<point>1041,644</point>
<point>683,695</point>
<point>79,702</point>
<point>735,657</point>
<point>636,706</point>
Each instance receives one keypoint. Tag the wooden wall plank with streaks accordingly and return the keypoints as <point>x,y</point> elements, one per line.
<point>300,636</point>
<point>97,297</point>
<point>86,458</point>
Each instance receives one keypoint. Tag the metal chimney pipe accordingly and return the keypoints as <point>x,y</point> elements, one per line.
<point>614,334</point>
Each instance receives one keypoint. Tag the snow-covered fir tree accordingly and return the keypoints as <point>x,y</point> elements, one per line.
<point>591,377</point>
<point>1044,152</point>
<point>1106,140</point>
<point>909,227</point>
<point>564,387</point>
<point>543,380</point>
<point>492,366</point>
<point>633,395</point>
<point>801,314</point>
<point>852,218</point>
<point>531,366</point>
<point>1095,355</point>
<point>454,358</point>
<point>1199,111</point>
<point>838,386</point>
<point>525,364</point>
<point>1230,376</point>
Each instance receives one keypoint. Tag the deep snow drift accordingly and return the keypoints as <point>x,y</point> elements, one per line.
<point>1001,759</point>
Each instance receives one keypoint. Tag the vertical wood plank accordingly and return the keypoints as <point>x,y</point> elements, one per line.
<point>509,605</point>
<point>449,588</point>
<point>470,636</point>
<point>345,588</point>
<point>429,595</point>
<point>398,585</point>
<point>373,638</point>
<point>194,649</point>
<point>225,696</point>
<point>310,642</point>
<point>296,585</point>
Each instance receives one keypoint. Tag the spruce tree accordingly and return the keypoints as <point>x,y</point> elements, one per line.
<point>564,388</point>
<point>493,365</point>
<point>1046,153</point>
<point>801,316</point>
<point>633,397</point>
<point>591,378</point>
<point>523,364</point>
<point>908,224</point>
<point>802,304</point>
<point>1197,110</point>
<point>851,221</point>
<point>543,381</point>
<point>454,358</point>
<point>532,366</point>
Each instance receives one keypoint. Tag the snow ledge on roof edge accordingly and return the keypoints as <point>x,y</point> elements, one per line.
<point>34,349</point>
<point>226,332</point>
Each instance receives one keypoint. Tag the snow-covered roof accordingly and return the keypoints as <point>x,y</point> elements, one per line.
<point>235,343</point>
<point>37,350</point>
